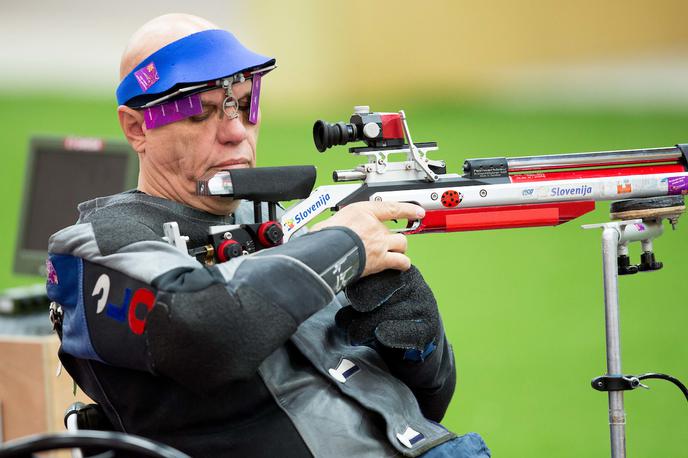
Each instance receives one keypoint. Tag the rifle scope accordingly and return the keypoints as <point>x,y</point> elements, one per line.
<point>377,130</point>
<point>326,135</point>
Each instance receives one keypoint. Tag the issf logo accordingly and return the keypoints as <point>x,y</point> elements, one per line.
<point>527,192</point>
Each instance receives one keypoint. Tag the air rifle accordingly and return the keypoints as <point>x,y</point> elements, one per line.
<point>492,193</point>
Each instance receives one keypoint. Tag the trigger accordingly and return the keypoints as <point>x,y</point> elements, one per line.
<point>412,226</point>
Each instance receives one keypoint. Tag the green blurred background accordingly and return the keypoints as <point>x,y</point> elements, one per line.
<point>523,307</point>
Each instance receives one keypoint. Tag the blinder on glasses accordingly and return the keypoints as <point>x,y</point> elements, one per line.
<point>186,102</point>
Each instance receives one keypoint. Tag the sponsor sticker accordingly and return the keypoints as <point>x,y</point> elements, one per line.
<point>571,191</point>
<point>147,76</point>
<point>310,210</point>
<point>624,187</point>
<point>677,185</point>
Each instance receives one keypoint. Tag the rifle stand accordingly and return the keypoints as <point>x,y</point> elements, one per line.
<point>641,220</point>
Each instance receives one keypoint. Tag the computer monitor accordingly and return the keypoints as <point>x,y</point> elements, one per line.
<point>61,173</point>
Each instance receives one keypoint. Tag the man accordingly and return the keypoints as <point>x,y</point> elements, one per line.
<point>242,358</point>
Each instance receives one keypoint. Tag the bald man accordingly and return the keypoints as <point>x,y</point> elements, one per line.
<point>260,356</point>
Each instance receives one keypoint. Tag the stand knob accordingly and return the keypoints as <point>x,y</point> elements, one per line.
<point>648,263</point>
<point>625,267</point>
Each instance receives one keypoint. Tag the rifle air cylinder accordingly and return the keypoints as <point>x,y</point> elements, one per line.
<point>555,161</point>
<point>348,175</point>
<point>496,166</point>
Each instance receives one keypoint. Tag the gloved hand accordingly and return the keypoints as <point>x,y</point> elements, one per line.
<point>396,309</point>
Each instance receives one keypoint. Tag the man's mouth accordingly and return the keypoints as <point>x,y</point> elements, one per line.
<point>233,164</point>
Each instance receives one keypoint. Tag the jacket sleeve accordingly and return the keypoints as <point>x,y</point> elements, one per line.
<point>131,300</point>
<point>432,381</point>
<point>406,301</point>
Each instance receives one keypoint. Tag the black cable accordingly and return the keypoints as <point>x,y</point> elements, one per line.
<point>666,377</point>
<point>25,446</point>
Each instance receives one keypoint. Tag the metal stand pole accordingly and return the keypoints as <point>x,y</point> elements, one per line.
<point>2,426</point>
<point>617,416</point>
<point>615,238</point>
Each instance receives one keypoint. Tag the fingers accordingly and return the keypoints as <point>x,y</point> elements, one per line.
<point>396,261</point>
<point>397,243</point>
<point>385,211</point>
<point>389,255</point>
<point>384,250</point>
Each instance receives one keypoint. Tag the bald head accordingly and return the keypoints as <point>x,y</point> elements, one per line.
<point>157,33</point>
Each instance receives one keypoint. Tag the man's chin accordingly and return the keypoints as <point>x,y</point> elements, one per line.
<point>220,205</point>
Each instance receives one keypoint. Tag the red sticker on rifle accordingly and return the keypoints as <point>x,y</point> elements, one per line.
<point>451,198</point>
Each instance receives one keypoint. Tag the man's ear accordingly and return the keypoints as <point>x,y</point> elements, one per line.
<point>131,122</point>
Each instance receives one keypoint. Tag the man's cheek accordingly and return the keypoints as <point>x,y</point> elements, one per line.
<point>185,152</point>
<point>253,142</point>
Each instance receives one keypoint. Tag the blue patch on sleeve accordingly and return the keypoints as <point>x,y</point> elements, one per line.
<point>68,291</point>
<point>416,355</point>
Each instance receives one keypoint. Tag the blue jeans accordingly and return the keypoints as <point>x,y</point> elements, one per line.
<point>470,445</point>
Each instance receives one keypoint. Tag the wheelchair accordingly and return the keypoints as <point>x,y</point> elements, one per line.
<point>88,436</point>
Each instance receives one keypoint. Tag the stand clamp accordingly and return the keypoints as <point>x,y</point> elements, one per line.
<point>631,382</point>
<point>617,383</point>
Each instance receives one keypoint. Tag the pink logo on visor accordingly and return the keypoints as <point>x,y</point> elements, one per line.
<point>147,76</point>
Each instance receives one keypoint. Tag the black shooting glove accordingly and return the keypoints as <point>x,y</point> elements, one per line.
<point>396,309</point>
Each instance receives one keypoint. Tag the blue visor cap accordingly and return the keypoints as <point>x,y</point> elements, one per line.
<point>197,58</point>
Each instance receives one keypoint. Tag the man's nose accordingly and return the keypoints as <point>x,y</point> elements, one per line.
<point>231,130</point>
